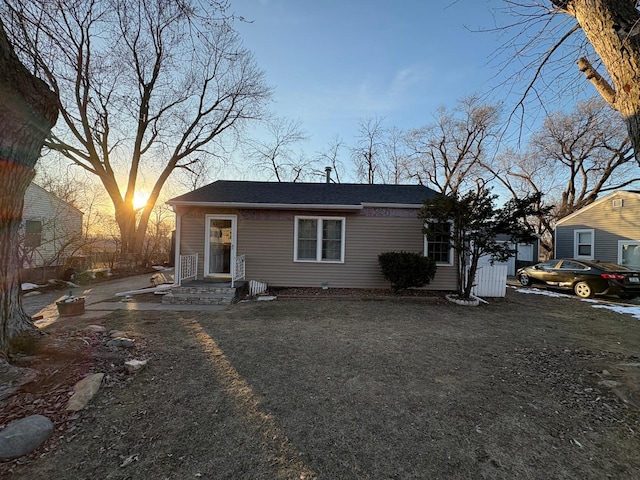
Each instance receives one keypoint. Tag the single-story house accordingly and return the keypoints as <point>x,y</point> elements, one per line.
<point>305,234</point>
<point>607,230</point>
<point>51,228</point>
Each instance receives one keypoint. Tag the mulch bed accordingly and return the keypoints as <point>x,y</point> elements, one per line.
<point>302,293</point>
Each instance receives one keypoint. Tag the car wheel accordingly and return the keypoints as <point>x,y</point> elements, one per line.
<point>583,289</point>
<point>524,279</point>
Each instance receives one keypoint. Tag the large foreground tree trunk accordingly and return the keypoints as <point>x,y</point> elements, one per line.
<point>613,29</point>
<point>28,110</point>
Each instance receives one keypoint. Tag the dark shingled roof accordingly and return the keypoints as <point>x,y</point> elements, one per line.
<point>283,193</point>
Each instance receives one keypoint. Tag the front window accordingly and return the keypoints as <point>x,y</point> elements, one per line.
<point>319,239</point>
<point>583,244</point>
<point>437,243</point>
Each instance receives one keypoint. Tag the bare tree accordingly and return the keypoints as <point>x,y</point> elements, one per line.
<point>368,153</point>
<point>612,27</point>
<point>331,158</point>
<point>145,87</point>
<point>274,152</point>
<point>157,243</point>
<point>572,159</point>
<point>28,110</point>
<point>395,148</point>
<point>602,37</point>
<point>448,154</point>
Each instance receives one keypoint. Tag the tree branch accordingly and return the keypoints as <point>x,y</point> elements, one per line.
<point>603,87</point>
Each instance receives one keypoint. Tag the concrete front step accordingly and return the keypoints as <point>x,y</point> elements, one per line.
<point>199,295</point>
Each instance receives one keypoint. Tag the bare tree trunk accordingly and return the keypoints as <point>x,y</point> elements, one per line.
<point>28,110</point>
<point>613,29</point>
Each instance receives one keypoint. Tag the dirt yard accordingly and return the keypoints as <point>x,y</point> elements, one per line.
<point>527,387</point>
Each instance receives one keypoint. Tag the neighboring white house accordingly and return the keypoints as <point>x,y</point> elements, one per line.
<point>51,228</point>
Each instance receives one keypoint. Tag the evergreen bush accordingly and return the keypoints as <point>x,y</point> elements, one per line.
<point>406,269</point>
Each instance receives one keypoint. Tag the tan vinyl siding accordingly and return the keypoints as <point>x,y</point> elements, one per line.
<point>609,223</point>
<point>267,240</point>
<point>192,235</point>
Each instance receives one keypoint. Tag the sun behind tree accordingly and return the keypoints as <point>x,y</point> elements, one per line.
<point>140,199</point>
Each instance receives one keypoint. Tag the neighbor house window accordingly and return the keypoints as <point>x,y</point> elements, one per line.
<point>319,239</point>
<point>437,245</point>
<point>32,233</point>
<point>583,243</point>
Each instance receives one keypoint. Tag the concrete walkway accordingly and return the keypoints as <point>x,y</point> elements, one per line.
<point>100,299</point>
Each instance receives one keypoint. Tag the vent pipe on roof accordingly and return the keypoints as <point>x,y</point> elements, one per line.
<point>328,172</point>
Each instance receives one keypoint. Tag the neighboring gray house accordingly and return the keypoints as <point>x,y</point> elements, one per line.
<point>526,254</point>
<point>51,228</point>
<point>305,234</point>
<point>607,230</point>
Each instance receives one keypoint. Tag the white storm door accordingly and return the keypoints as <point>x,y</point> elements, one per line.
<point>220,245</point>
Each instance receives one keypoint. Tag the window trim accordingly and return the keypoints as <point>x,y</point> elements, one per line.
<point>576,245</point>
<point>320,221</point>
<point>425,250</point>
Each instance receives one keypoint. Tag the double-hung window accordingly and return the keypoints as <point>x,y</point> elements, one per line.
<point>319,239</point>
<point>437,243</point>
<point>583,243</point>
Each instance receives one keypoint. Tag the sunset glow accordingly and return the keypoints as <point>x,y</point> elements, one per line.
<point>140,199</point>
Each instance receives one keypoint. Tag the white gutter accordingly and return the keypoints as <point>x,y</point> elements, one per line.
<point>391,205</point>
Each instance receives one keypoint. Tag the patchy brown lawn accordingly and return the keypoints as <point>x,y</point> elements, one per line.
<point>525,387</point>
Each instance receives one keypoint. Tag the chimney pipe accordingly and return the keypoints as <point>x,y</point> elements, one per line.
<point>328,172</point>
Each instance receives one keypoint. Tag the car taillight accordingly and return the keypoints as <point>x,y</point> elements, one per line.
<point>612,276</point>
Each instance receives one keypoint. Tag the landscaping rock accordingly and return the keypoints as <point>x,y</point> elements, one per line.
<point>84,391</point>
<point>95,328</point>
<point>24,436</point>
<point>132,366</point>
<point>13,377</point>
<point>609,383</point>
<point>120,342</point>
<point>117,333</point>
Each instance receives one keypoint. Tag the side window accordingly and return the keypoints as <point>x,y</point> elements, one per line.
<point>548,265</point>
<point>32,233</point>
<point>583,243</point>
<point>566,265</point>
<point>437,243</point>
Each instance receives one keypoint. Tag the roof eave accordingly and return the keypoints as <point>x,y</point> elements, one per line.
<point>392,205</point>
<point>265,206</point>
<point>622,193</point>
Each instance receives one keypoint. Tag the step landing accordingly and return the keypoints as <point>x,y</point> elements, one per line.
<point>203,293</point>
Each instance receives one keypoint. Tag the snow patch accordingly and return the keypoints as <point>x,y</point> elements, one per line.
<point>632,310</point>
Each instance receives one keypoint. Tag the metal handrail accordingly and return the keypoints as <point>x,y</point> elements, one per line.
<point>188,268</point>
<point>239,271</point>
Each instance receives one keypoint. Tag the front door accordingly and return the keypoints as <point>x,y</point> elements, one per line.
<point>219,245</point>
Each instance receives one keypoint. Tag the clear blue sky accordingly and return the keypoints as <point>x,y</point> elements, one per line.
<point>333,63</point>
